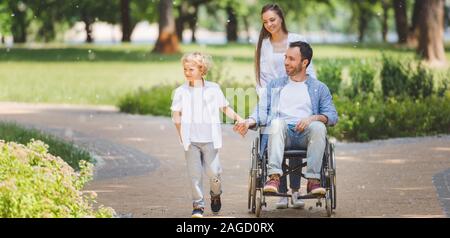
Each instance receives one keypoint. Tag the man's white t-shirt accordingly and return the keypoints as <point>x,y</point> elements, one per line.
<point>295,102</point>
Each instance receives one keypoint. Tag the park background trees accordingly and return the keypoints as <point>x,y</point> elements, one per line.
<point>418,23</point>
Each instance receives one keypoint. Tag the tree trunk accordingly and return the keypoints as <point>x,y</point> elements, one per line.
<point>363,21</point>
<point>193,23</point>
<point>88,29</point>
<point>47,31</point>
<point>3,40</point>
<point>413,32</point>
<point>431,28</point>
<point>232,25</point>
<point>247,27</point>
<point>19,27</point>
<point>384,22</point>
<point>125,18</point>
<point>401,20</point>
<point>167,42</point>
<point>447,17</point>
<point>181,19</point>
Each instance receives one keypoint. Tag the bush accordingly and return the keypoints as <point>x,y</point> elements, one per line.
<point>359,118</point>
<point>362,80</point>
<point>155,101</point>
<point>69,152</point>
<point>413,102</point>
<point>421,82</point>
<point>442,84</point>
<point>329,72</point>
<point>403,80</point>
<point>363,119</point>
<point>35,183</point>
<point>394,77</point>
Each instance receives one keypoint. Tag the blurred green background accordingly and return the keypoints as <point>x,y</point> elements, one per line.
<point>371,54</point>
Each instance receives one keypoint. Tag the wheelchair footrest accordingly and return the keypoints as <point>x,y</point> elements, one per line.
<point>311,196</point>
<point>276,194</point>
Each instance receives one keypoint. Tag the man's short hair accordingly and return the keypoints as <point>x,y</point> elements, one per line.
<point>305,50</point>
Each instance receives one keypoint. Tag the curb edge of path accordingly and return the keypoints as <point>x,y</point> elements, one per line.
<point>442,183</point>
<point>139,163</point>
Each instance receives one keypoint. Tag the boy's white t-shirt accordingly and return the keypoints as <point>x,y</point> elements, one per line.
<point>200,130</point>
<point>200,122</point>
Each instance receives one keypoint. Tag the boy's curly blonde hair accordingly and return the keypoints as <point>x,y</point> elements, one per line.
<point>202,60</point>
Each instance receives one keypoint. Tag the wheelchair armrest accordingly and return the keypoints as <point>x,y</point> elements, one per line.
<point>253,128</point>
<point>256,127</point>
<point>259,128</point>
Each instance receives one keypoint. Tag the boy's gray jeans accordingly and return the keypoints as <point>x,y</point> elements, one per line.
<point>202,157</point>
<point>283,136</point>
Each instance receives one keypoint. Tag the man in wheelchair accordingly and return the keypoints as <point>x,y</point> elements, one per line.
<point>295,110</point>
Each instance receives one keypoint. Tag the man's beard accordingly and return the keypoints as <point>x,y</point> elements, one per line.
<point>297,70</point>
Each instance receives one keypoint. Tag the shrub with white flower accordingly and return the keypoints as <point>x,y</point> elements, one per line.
<point>34,183</point>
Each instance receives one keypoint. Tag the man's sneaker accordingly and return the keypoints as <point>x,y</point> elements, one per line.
<point>215,204</point>
<point>314,187</point>
<point>282,203</point>
<point>272,184</point>
<point>297,203</point>
<point>197,212</point>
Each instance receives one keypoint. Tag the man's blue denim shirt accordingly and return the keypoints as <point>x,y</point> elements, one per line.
<point>321,101</point>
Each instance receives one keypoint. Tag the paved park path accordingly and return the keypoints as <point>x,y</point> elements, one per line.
<point>141,169</point>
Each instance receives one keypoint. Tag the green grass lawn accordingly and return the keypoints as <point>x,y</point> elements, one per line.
<point>93,74</point>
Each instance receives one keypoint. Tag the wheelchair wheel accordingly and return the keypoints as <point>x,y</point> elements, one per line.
<point>328,206</point>
<point>259,202</point>
<point>251,192</point>
<point>250,184</point>
<point>330,198</point>
<point>249,195</point>
<point>261,174</point>
<point>333,177</point>
<point>252,176</point>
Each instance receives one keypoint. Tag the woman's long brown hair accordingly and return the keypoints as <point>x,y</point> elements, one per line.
<point>265,34</point>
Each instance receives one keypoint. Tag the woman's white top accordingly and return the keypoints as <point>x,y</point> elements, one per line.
<point>272,63</point>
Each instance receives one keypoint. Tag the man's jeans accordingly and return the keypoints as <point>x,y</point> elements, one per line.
<point>202,157</point>
<point>283,136</point>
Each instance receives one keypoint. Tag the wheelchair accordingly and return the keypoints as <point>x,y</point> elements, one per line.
<point>258,175</point>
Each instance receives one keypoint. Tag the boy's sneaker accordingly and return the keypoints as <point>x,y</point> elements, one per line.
<point>314,187</point>
<point>282,203</point>
<point>215,204</point>
<point>297,203</point>
<point>272,184</point>
<point>197,212</point>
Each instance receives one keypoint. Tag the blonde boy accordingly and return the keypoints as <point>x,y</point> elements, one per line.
<point>195,112</point>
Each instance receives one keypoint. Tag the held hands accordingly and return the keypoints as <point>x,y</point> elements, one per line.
<point>241,127</point>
